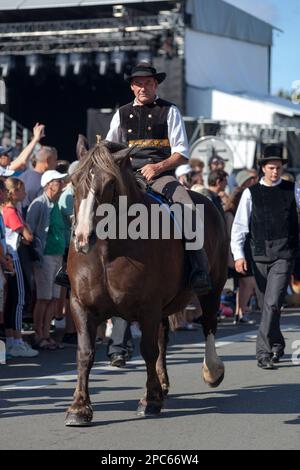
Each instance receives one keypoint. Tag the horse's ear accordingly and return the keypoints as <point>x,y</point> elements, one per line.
<point>122,158</point>
<point>82,147</point>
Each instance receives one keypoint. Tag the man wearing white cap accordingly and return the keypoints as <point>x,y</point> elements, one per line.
<point>181,173</point>
<point>46,222</point>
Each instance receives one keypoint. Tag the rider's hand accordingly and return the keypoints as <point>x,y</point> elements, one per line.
<point>149,171</point>
<point>241,266</point>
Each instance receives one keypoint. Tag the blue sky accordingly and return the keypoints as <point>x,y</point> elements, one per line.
<point>285,14</point>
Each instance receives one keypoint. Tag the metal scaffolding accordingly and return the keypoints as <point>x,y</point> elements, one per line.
<point>105,34</point>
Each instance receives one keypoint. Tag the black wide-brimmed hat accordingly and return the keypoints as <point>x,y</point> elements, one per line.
<point>144,69</point>
<point>272,152</point>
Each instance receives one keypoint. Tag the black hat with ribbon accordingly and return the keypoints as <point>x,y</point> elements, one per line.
<point>144,69</point>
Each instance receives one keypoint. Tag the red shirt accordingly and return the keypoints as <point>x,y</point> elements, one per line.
<point>12,218</point>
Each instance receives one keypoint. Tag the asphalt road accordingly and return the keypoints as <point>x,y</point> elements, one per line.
<point>252,408</point>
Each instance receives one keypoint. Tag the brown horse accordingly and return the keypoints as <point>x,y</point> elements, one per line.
<point>138,279</point>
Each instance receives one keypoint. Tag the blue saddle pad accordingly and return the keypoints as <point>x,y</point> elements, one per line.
<point>162,201</point>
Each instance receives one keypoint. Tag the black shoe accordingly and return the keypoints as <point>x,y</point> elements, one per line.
<point>245,320</point>
<point>199,282</point>
<point>276,357</point>
<point>117,360</point>
<point>265,363</point>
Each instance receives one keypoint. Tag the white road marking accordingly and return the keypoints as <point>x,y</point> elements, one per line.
<point>68,376</point>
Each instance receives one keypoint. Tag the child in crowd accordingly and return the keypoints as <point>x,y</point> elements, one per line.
<point>5,260</point>
<point>15,231</point>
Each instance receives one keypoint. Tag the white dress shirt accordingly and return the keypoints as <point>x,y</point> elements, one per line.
<point>240,226</point>
<point>176,131</point>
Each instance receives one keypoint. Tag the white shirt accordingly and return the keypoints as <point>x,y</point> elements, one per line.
<point>240,226</point>
<point>6,172</point>
<point>176,131</point>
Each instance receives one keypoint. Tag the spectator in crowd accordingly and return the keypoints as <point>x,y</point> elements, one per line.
<point>17,149</point>
<point>20,163</point>
<point>216,163</point>
<point>288,176</point>
<point>62,166</point>
<point>15,229</point>
<point>46,222</point>
<point>245,283</point>
<point>5,157</point>
<point>5,139</point>
<point>45,159</point>
<point>245,179</point>
<point>217,182</point>
<point>196,176</point>
<point>255,175</point>
<point>268,212</point>
<point>6,263</point>
<point>66,206</point>
<point>182,173</point>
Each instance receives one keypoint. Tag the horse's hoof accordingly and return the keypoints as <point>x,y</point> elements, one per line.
<point>151,410</point>
<point>76,419</point>
<point>216,383</point>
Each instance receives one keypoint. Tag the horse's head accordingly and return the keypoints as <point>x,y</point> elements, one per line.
<point>102,175</point>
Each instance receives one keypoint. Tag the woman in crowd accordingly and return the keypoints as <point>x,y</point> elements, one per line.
<point>16,231</point>
<point>245,283</point>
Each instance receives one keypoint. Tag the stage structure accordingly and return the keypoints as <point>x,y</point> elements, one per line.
<point>63,62</point>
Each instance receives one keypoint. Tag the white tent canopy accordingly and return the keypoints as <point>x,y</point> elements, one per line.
<point>238,107</point>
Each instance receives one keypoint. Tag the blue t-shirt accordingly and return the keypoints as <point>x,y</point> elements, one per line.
<point>32,182</point>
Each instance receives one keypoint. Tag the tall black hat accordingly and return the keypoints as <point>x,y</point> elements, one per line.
<point>144,69</point>
<point>272,152</point>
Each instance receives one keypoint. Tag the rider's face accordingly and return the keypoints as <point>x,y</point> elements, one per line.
<point>144,89</point>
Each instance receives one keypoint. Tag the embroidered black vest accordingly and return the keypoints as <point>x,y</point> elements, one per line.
<point>146,126</point>
<point>274,222</point>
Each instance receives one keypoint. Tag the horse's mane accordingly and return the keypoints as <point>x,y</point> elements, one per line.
<point>98,159</point>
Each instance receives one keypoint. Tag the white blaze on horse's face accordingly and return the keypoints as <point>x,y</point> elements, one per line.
<point>85,221</point>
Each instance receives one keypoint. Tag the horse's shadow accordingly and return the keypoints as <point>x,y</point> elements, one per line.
<point>258,400</point>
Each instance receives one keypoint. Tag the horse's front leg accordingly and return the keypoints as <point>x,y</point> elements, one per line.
<point>161,364</point>
<point>213,368</point>
<point>80,412</point>
<point>151,403</point>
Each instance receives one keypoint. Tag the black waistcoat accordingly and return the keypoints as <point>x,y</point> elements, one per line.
<point>146,126</point>
<point>274,222</point>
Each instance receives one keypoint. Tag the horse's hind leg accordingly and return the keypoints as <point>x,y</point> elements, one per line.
<point>151,403</point>
<point>213,368</point>
<point>161,364</point>
<point>80,412</point>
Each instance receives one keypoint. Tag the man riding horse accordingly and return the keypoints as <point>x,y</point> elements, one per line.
<point>149,121</point>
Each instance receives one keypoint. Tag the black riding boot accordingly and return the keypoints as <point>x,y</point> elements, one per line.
<point>198,278</point>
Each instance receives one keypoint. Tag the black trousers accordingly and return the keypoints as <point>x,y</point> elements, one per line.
<point>272,280</point>
<point>121,339</point>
